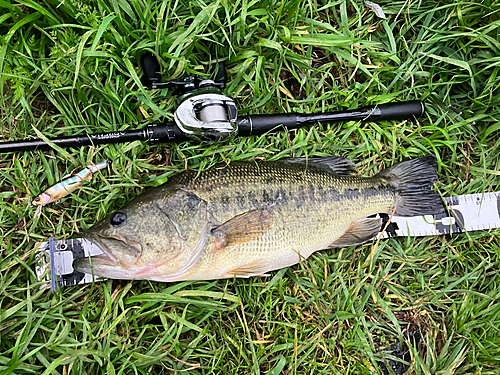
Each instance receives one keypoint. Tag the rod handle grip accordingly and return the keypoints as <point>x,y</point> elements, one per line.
<point>401,110</point>
<point>259,124</point>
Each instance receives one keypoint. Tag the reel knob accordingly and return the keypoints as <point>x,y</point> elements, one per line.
<point>151,69</point>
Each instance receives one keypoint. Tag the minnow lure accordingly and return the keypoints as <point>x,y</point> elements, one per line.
<point>377,9</point>
<point>65,187</point>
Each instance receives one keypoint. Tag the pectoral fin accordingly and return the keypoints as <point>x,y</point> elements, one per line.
<point>359,232</point>
<point>255,268</point>
<point>243,228</point>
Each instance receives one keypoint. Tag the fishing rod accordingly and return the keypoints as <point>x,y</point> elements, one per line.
<point>205,113</point>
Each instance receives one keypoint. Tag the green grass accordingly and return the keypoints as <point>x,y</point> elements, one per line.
<point>70,67</point>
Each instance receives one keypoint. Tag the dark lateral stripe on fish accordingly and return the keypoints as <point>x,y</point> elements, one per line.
<point>315,194</point>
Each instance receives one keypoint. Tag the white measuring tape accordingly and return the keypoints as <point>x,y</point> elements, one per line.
<point>467,213</point>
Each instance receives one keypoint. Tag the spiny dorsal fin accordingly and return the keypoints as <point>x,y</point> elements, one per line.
<point>335,165</point>
<point>359,232</point>
<point>242,228</point>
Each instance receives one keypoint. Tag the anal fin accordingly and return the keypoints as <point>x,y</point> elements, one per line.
<point>359,232</point>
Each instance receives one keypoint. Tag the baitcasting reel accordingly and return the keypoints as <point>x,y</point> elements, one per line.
<point>203,109</point>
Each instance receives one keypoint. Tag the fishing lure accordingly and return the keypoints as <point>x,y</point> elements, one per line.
<point>65,187</point>
<point>377,9</point>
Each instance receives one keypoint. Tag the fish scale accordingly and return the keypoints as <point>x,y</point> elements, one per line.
<point>310,209</point>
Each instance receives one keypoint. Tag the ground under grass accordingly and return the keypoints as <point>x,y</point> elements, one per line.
<point>71,67</point>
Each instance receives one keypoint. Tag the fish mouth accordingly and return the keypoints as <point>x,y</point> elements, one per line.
<point>95,263</point>
<point>115,266</point>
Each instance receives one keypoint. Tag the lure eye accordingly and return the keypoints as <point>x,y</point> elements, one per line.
<point>37,199</point>
<point>118,219</point>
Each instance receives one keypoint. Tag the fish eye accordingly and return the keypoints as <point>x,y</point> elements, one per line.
<point>118,219</point>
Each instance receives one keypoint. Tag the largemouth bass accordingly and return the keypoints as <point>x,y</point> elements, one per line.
<point>247,219</point>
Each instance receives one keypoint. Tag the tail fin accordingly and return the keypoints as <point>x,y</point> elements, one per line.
<point>413,180</point>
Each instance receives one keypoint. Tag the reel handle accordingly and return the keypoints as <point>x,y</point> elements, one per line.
<point>151,69</point>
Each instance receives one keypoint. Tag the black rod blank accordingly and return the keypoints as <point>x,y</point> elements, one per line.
<point>168,132</point>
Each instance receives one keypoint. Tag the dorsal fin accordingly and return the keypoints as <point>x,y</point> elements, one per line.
<point>335,165</point>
